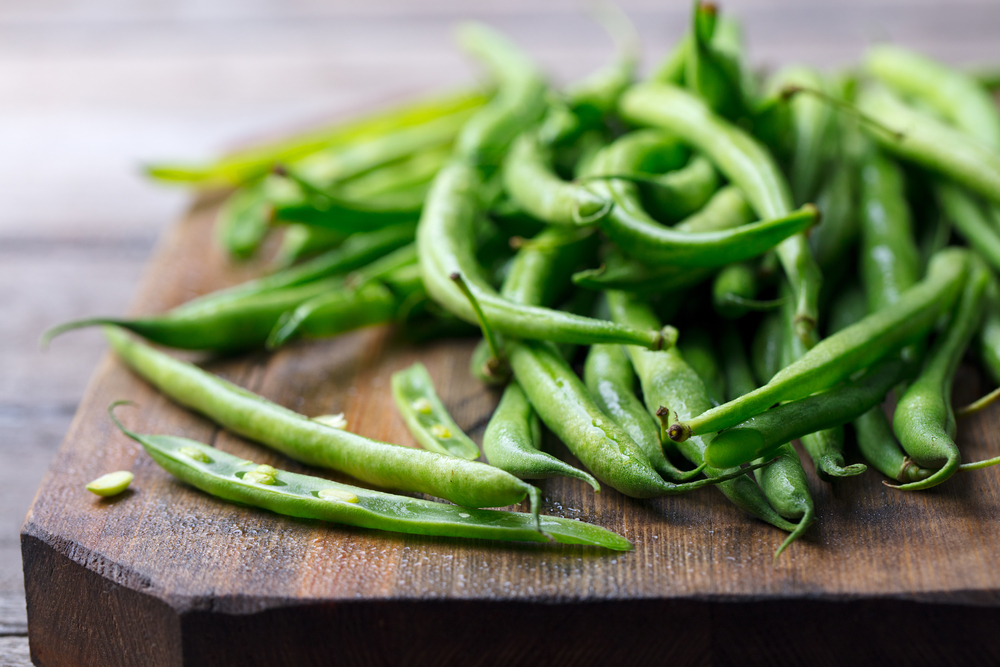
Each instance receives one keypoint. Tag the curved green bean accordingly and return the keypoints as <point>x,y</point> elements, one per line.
<point>682,192</point>
<point>425,415</point>
<point>849,350</point>
<point>234,479</point>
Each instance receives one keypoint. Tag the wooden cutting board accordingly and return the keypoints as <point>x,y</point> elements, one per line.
<point>167,575</point>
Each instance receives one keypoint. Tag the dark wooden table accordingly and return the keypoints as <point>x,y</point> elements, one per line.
<point>91,89</point>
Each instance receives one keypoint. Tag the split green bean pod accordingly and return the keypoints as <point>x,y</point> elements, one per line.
<point>666,379</point>
<point>530,179</point>
<point>234,479</point>
<point>639,235</point>
<point>425,415</point>
<point>746,163</point>
<point>924,420</point>
<point>445,247</point>
<point>245,413</point>
<point>836,358</point>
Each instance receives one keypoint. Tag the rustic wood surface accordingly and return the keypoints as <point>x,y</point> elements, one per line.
<point>91,88</point>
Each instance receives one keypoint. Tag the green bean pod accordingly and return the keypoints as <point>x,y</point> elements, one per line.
<point>425,415</point>
<point>513,439</point>
<point>607,451</point>
<point>519,102</point>
<point>682,192</point>
<point>243,316</point>
<point>812,122</point>
<point>530,179</point>
<point>762,434</point>
<point>786,488</point>
<point>767,347</point>
<point>672,68</point>
<point>344,216</point>
<point>746,163</point>
<point>445,247</point>
<point>918,137</point>
<point>849,350</point>
<point>924,420</point>
<point>245,413</point>
<point>610,380</point>
<point>971,222</point>
<point>244,220</point>
<point>711,73</point>
<point>734,291</point>
<point>231,478</point>
<point>876,441</point>
<point>989,333</point>
<point>304,241</point>
<point>667,379</point>
<point>628,225</point>
<point>699,353</point>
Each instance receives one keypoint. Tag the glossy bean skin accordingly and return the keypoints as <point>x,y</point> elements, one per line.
<point>610,380</point>
<point>225,476</point>
<point>786,488</point>
<point>876,441</point>
<point>667,379</point>
<point>890,259</point>
<point>698,352</point>
<point>564,404</point>
<point>530,179</point>
<point>513,440</point>
<point>245,413</point>
<point>425,415</point>
<point>924,421</point>
<point>764,433</point>
<point>971,221</point>
<point>639,235</point>
<point>682,192</point>
<point>241,317</point>
<point>746,163</point>
<point>930,143</point>
<point>247,166</point>
<point>519,102</point>
<point>849,350</point>
<point>446,246</point>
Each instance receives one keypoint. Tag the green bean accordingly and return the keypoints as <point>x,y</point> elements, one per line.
<point>241,317</point>
<point>786,488</point>
<point>924,420</point>
<point>513,437</point>
<point>682,192</point>
<point>767,347</point>
<point>531,181</point>
<point>734,289</point>
<point>989,333</point>
<point>249,165</point>
<point>698,352</point>
<point>519,102</point>
<point>243,221</point>
<point>746,163</point>
<point>338,214</point>
<point>672,68</point>
<point>667,379</point>
<point>638,234</point>
<point>304,241</point>
<point>849,350</point>
<point>234,479</point>
<point>839,225</point>
<point>425,415</point>
<point>444,242</point>
<point>626,274</point>
<point>726,209</point>
<point>413,172</point>
<point>918,137</point>
<point>563,403</point>
<point>950,92</point>
<point>875,440</point>
<point>710,73</point>
<point>765,432</point>
<point>302,439</point>
<point>971,222</point>
<point>610,380</point>
<point>890,259</point>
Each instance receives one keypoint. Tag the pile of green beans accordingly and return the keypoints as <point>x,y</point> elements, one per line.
<point>677,277</point>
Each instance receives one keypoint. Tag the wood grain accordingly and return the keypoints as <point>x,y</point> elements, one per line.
<point>187,579</point>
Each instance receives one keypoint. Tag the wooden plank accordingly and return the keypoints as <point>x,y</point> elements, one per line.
<point>203,575</point>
